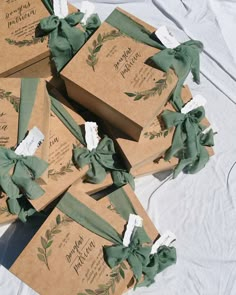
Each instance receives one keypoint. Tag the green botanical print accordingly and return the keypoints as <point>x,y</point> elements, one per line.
<point>112,208</point>
<point>97,45</point>
<point>154,134</point>
<point>47,240</point>
<point>54,174</point>
<point>109,288</point>
<point>159,86</point>
<point>4,210</point>
<point>15,101</point>
<point>30,42</point>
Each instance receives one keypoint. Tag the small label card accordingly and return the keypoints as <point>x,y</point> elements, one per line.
<point>166,239</point>
<point>134,222</point>
<point>29,145</point>
<point>197,101</point>
<point>91,135</point>
<point>166,37</point>
<point>60,8</point>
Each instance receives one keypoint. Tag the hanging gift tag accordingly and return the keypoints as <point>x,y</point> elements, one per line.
<point>29,145</point>
<point>197,101</point>
<point>133,222</point>
<point>88,9</point>
<point>91,135</point>
<point>166,37</point>
<point>165,240</point>
<point>60,8</point>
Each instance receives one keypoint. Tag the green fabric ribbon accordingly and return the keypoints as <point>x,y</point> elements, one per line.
<point>163,258</point>
<point>182,59</point>
<point>26,169</point>
<point>100,160</point>
<point>136,254</point>
<point>64,38</point>
<point>188,141</point>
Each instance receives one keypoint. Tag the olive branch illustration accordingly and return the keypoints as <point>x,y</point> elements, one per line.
<point>97,45</point>
<point>159,86</point>
<point>4,210</point>
<point>153,134</point>
<point>108,288</point>
<point>22,43</point>
<point>47,240</point>
<point>15,101</point>
<point>54,174</point>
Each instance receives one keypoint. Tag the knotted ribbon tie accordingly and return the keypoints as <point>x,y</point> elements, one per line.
<point>26,169</point>
<point>64,38</point>
<point>136,254</point>
<point>182,59</point>
<point>163,258</point>
<point>188,141</point>
<point>101,160</point>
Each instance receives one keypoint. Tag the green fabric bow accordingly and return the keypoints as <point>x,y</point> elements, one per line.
<point>188,140</point>
<point>182,59</point>
<point>136,254</point>
<point>101,160</point>
<point>26,169</point>
<point>163,258</point>
<point>64,38</point>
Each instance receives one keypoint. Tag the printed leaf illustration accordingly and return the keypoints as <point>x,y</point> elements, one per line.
<point>54,174</point>
<point>47,241</point>
<point>109,288</point>
<point>92,58</point>
<point>158,88</point>
<point>154,134</point>
<point>15,101</point>
<point>23,43</point>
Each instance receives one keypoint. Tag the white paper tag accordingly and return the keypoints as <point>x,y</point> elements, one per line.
<point>29,145</point>
<point>213,127</point>
<point>88,9</point>
<point>166,37</point>
<point>60,8</point>
<point>91,135</point>
<point>165,240</point>
<point>197,101</point>
<point>133,222</point>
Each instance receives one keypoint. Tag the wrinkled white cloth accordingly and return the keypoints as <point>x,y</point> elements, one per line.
<point>200,209</point>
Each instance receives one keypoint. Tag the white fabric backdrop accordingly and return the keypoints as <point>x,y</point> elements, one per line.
<point>199,209</point>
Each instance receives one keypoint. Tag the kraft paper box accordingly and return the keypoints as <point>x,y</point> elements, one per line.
<point>109,77</point>
<point>23,54</point>
<point>68,259</point>
<point>56,148</point>
<point>152,144</point>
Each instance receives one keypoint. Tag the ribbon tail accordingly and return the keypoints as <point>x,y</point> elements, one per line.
<point>199,163</point>
<point>136,266</point>
<point>181,165</point>
<point>121,178</point>
<point>177,143</point>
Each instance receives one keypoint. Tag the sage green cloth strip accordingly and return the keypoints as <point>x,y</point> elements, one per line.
<point>131,28</point>
<point>66,119</point>
<point>28,96</point>
<point>48,5</point>
<point>136,254</point>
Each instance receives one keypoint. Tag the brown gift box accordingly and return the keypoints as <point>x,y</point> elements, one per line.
<point>56,148</point>
<point>69,258</point>
<point>109,86</point>
<point>22,54</point>
<point>152,144</point>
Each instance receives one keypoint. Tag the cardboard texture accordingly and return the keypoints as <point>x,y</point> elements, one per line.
<point>22,54</point>
<point>114,65</point>
<point>152,144</point>
<point>76,251</point>
<point>56,148</point>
